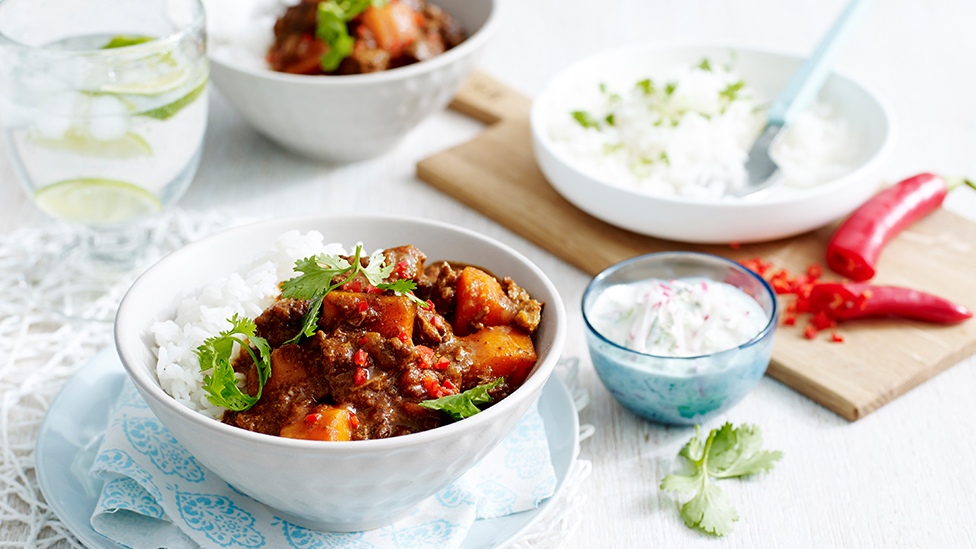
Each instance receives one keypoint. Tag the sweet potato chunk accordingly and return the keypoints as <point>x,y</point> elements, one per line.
<point>324,423</point>
<point>287,369</point>
<point>394,26</point>
<point>480,302</point>
<point>499,351</point>
<point>388,315</point>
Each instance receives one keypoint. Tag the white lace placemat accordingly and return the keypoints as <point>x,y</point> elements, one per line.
<point>39,351</point>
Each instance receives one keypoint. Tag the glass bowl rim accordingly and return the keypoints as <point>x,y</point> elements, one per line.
<point>767,329</point>
<point>198,22</point>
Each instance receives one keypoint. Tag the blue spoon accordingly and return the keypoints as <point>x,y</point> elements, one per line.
<point>799,92</point>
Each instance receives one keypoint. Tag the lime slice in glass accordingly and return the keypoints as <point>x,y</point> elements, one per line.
<point>164,83</point>
<point>125,40</point>
<point>94,201</point>
<point>80,141</point>
<point>170,109</point>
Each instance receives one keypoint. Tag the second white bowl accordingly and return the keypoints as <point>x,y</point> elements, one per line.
<point>353,117</point>
<point>715,221</point>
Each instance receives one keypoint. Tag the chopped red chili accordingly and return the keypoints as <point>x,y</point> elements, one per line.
<point>442,363</point>
<point>360,358</point>
<point>312,418</point>
<point>836,338</point>
<point>400,271</point>
<point>374,290</point>
<point>354,286</point>
<point>426,356</point>
<point>362,376</point>
<point>362,307</point>
<point>402,336</point>
<point>810,332</point>
<point>353,420</point>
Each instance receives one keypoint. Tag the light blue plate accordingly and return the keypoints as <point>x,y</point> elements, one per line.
<point>78,417</point>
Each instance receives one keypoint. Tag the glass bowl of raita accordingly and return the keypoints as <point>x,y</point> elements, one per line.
<point>679,337</point>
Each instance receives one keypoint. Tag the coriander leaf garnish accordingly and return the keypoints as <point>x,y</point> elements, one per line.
<point>670,87</point>
<point>705,65</point>
<point>727,452</point>
<point>462,405</point>
<point>646,85</point>
<point>317,274</point>
<point>332,17</point>
<point>585,119</point>
<point>215,353</point>
<point>610,120</point>
<point>319,271</point>
<point>731,92</point>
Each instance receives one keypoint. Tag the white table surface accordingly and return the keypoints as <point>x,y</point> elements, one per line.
<point>905,476</point>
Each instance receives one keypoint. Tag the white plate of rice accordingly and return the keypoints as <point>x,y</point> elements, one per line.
<point>650,138</point>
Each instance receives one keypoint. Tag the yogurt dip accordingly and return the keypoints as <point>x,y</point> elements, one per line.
<point>686,317</point>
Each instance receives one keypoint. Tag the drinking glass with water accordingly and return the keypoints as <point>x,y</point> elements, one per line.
<point>103,109</point>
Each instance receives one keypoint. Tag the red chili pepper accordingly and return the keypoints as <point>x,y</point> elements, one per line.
<point>854,249</point>
<point>374,290</point>
<point>312,418</point>
<point>450,386</point>
<point>402,336</point>
<point>354,286</point>
<point>810,332</point>
<point>353,420</point>
<point>836,338</point>
<point>856,300</point>
<point>362,307</point>
<point>442,364</point>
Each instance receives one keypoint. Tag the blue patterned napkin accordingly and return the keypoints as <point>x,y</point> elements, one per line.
<point>155,494</point>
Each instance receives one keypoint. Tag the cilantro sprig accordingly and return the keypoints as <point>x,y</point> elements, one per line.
<point>331,28</point>
<point>215,352</point>
<point>319,271</point>
<point>727,452</point>
<point>463,405</point>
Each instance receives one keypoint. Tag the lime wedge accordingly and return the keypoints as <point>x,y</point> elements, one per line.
<point>124,41</point>
<point>80,141</point>
<point>95,201</point>
<point>170,109</point>
<point>164,83</point>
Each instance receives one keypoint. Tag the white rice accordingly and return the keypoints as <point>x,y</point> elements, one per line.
<point>693,141</point>
<point>204,313</point>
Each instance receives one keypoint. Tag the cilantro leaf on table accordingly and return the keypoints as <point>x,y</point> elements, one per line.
<point>215,353</point>
<point>727,452</point>
<point>462,405</point>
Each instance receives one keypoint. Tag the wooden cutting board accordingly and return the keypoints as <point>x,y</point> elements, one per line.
<point>496,174</point>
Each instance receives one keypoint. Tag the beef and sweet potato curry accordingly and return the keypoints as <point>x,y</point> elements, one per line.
<point>359,36</point>
<point>375,358</point>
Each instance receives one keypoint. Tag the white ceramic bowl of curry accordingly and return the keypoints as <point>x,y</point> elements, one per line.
<point>338,486</point>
